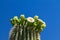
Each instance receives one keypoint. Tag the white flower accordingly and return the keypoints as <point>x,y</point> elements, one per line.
<point>30,19</point>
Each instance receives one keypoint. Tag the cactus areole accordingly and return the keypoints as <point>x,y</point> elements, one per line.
<point>26,28</point>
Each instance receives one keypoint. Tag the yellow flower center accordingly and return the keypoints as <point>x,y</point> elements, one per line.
<point>30,19</point>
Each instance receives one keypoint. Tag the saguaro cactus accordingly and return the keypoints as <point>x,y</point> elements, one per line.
<point>26,28</point>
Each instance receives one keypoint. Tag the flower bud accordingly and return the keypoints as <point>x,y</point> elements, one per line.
<point>40,21</point>
<point>35,24</point>
<point>22,17</point>
<point>43,25</point>
<point>36,17</point>
<point>15,18</point>
<point>12,21</point>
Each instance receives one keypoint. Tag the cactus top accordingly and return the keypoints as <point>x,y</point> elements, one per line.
<point>36,23</point>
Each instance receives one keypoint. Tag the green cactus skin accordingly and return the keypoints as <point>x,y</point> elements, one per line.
<point>23,34</point>
<point>19,33</point>
<point>34,35</point>
<point>31,35</point>
<point>37,36</point>
<point>12,33</point>
<point>27,33</point>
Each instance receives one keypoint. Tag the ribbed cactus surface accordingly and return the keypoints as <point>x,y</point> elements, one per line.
<point>26,28</point>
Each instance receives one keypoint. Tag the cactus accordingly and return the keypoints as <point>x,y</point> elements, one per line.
<point>26,28</point>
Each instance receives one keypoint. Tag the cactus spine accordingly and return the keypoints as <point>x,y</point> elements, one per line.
<point>26,28</point>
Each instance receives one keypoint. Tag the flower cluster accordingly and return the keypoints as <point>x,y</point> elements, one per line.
<point>36,23</point>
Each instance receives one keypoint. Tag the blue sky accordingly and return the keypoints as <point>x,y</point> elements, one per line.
<point>47,10</point>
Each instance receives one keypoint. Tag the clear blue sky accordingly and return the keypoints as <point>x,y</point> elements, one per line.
<point>47,10</point>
